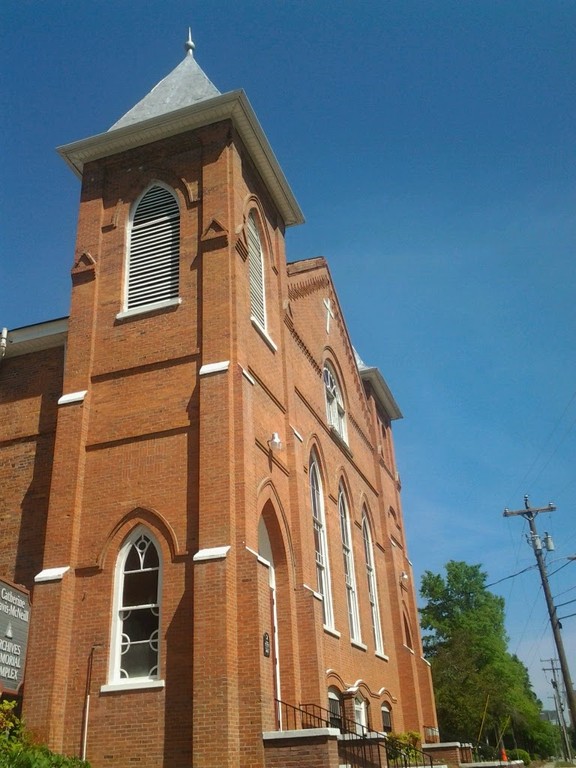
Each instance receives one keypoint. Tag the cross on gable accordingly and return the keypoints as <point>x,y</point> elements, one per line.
<point>329,313</point>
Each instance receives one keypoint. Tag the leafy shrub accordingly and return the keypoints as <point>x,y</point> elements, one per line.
<point>519,754</point>
<point>408,744</point>
<point>17,749</point>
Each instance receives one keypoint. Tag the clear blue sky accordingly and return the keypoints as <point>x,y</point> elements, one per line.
<point>430,145</point>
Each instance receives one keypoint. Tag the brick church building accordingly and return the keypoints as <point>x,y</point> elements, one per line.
<point>199,487</point>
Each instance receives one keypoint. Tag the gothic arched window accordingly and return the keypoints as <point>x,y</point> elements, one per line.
<point>349,574</point>
<point>335,410</point>
<point>154,251</point>
<point>320,543</point>
<point>135,650</point>
<point>372,586</point>
<point>335,707</point>
<point>386,718</point>
<point>256,272</point>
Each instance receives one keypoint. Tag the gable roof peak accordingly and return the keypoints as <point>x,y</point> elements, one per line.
<point>187,84</point>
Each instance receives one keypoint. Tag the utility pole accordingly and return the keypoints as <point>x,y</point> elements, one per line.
<point>529,513</point>
<point>559,707</point>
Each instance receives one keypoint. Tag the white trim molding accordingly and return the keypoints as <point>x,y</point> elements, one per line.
<point>263,332</point>
<point>258,557</point>
<point>152,307</point>
<point>247,376</point>
<point>73,397</point>
<point>317,595</point>
<point>132,685</point>
<point>297,435</point>
<point>208,368</point>
<point>212,553</point>
<point>51,574</point>
<point>305,733</point>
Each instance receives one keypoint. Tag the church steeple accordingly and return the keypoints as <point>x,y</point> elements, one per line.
<point>184,86</point>
<point>186,100</point>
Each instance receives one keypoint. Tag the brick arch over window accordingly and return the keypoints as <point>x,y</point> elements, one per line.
<point>153,252</point>
<point>147,517</point>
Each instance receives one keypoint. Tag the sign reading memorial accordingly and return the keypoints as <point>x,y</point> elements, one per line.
<point>14,624</point>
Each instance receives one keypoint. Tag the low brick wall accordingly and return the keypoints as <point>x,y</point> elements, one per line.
<point>309,748</point>
<point>449,752</point>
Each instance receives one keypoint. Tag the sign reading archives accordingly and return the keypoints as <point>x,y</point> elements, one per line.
<point>14,624</point>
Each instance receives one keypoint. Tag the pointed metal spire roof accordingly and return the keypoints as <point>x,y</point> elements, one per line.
<point>184,86</point>
<point>184,101</point>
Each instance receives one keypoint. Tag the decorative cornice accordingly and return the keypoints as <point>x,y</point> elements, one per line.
<point>306,287</point>
<point>232,106</point>
<point>301,345</point>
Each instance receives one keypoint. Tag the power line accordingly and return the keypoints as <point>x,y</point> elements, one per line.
<point>512,575</point>
<point>546,445</point>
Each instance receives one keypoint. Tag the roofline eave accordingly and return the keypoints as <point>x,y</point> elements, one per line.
<point>233,105</point>
<point>382,392</point>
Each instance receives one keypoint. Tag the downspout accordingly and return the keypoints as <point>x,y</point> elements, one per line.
<point>3,343</point>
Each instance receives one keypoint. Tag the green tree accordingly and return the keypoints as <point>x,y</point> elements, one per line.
<point>482,691</point>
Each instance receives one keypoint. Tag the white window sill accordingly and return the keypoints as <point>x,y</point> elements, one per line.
<point>264,333</point>
<point>331,631</point>
<point>145,308</point>
<point>359,644</point>
<point>132,685</point>
<point>382,656</point>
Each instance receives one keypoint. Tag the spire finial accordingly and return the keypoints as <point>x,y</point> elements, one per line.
<point>189,45</point>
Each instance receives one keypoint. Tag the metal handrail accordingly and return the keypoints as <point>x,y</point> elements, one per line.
<point>361,744</point>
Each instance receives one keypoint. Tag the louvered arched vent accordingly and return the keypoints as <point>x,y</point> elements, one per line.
<point>256,270</point>
<point>154,249</point>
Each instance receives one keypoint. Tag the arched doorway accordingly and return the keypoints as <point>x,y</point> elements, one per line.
<point>266,554</point>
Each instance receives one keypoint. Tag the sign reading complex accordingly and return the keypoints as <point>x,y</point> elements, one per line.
<point>14,624</point>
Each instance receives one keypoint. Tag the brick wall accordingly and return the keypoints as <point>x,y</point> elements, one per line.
<point>155,443</point>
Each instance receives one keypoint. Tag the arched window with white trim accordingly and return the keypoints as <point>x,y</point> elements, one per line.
<point>335,707</point>
<point>135,647</point>
<point>372,585</point>
<point>361,715</point>
<point>320,542</point>
<point>153,273</point>
<point>349,572</point>
<point>256,272</point>
<point>335,411</point>
<point>386,713</point>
